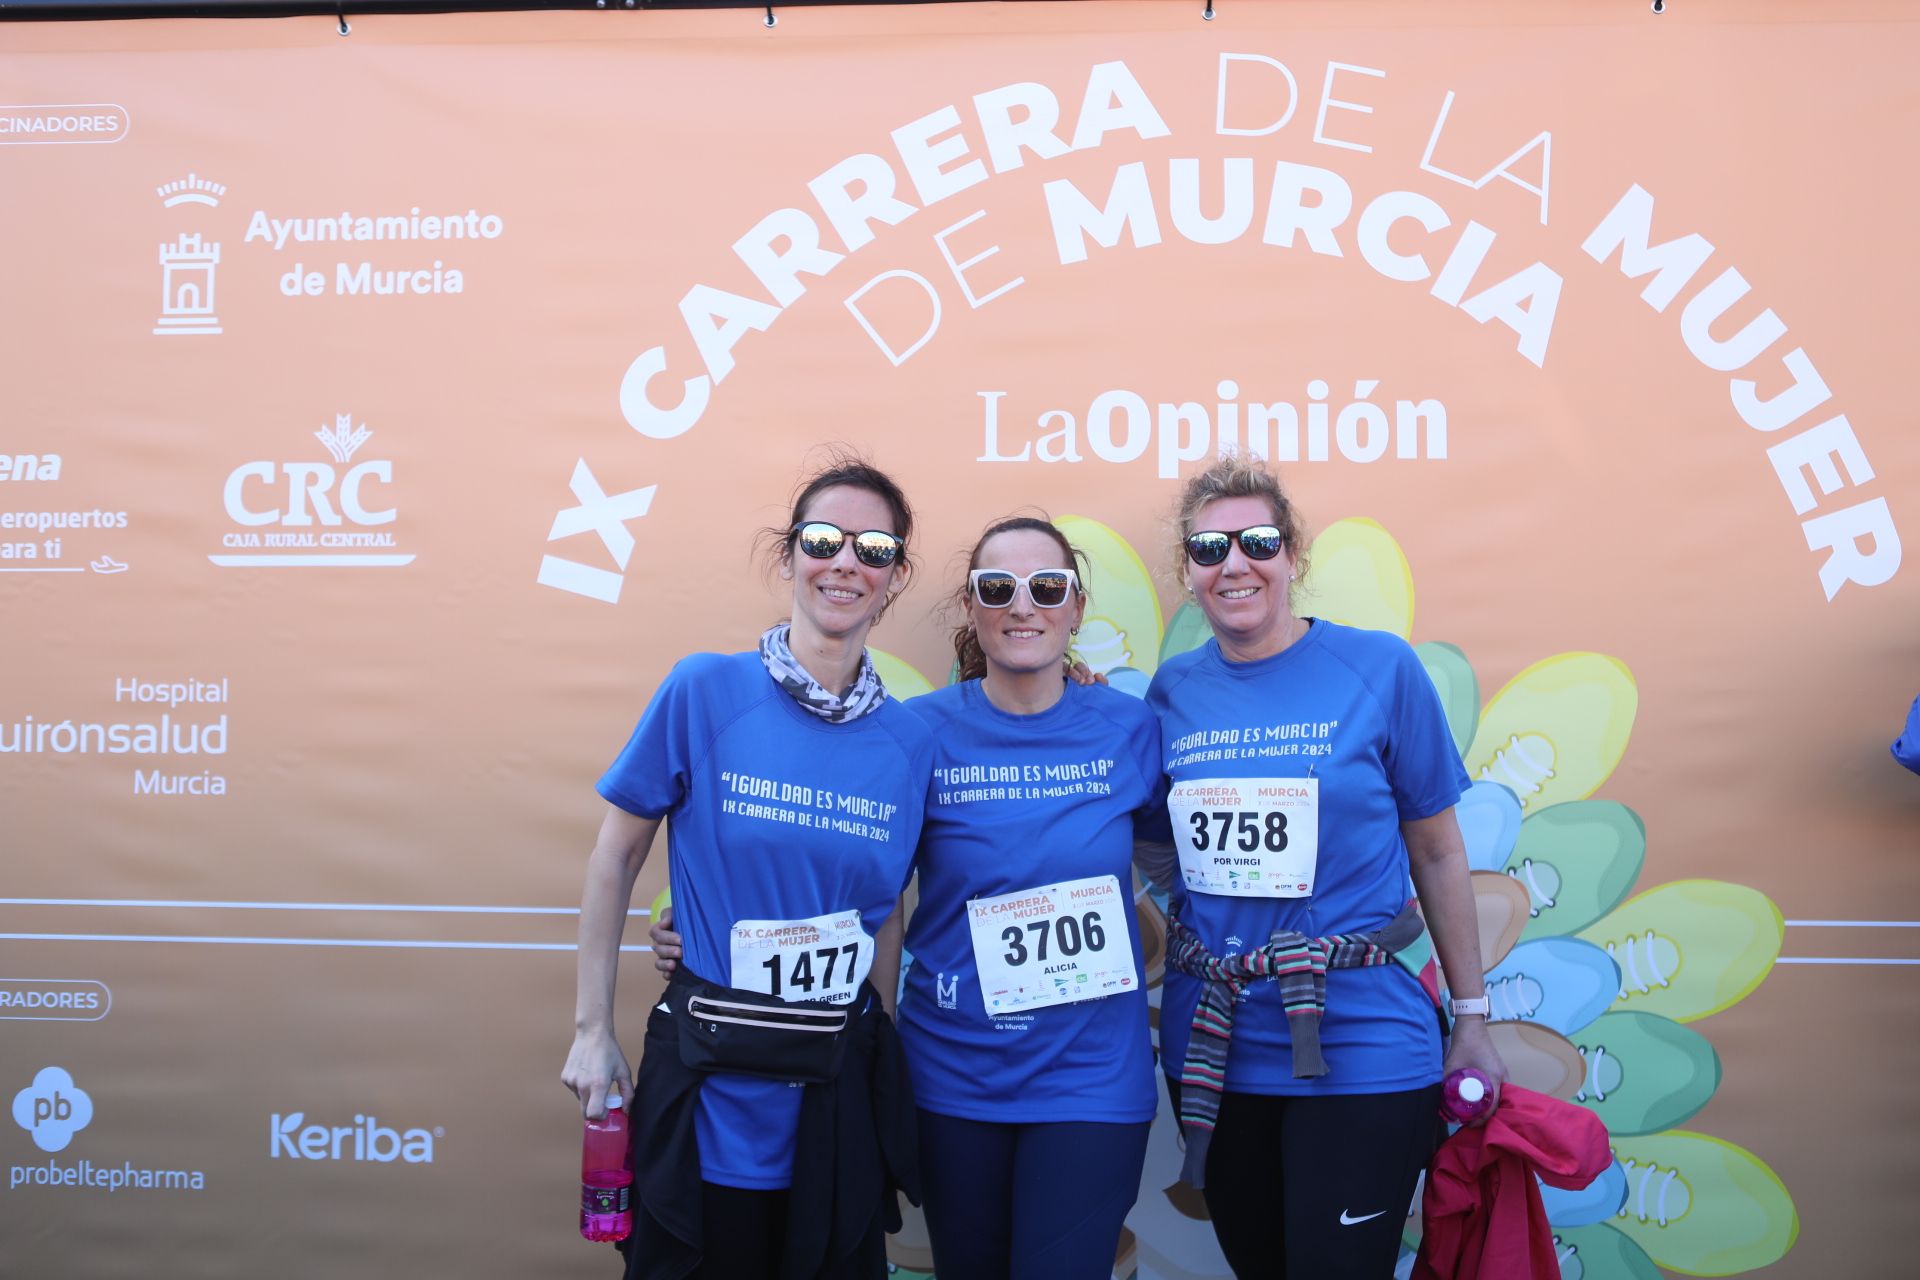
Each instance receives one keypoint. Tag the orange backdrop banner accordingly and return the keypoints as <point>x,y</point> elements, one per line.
<point>386,413</point>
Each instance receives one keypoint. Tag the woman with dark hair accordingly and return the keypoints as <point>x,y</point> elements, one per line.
<point>1024,1013</point>
<point>796,788</point>
<point>1312,777</point>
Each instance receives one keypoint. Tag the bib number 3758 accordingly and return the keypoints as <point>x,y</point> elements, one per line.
<point>821,958</point>
<point>1247,837</point>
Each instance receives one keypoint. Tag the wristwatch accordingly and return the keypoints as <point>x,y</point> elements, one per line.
<point>1479,1004</point>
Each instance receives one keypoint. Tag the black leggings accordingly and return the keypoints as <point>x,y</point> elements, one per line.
<point>746,1230</point>
<point>1339,1168</point>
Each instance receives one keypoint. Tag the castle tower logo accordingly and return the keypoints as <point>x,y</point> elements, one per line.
<point>186,286</point>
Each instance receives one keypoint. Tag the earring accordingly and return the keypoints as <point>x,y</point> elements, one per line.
<point>1073,631</point>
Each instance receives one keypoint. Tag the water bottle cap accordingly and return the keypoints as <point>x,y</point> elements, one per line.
<point>1471,1089</point>
<point>616,1102</point>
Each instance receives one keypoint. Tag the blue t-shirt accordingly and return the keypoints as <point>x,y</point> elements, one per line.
<point>1021,802</point>
<point>775,814</point>
<point>1355,710</point>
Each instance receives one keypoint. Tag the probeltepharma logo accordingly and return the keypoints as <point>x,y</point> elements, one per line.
<point>290,1137</point>
<point>305,515</point>
<point>52,1110</point>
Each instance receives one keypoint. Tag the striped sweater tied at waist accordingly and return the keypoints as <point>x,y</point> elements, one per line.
<point>1300,965</point>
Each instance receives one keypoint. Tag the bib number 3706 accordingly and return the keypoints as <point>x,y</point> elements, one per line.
<point>1055,944</point>
<point>822,958</point>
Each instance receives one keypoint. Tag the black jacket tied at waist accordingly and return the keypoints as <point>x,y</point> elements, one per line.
<point>856,1135</point>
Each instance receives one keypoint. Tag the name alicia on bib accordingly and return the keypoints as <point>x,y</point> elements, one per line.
<point>822,958</point>
<point>1247,837</point>
<point>1053,945</point>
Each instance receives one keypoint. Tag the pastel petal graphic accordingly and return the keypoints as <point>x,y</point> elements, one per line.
<point>1557,730</point>
<point>1188,630</point>
<point>902,679</point>
<point>1702,1206</point>
<point>1598,1201</point>
<point>1489,816</point>
<point>1360,577</point>
<point>1539,1058</point>
<point>1459,688</point>
<point>1690,948</point>
<point>1562,983</point>
<point>1501,905</point>
<point>909,1251</point>
<point>1601,1253</point>
<point>1578,861</point>
<point>1644,1073</point>
<point>1122,626</point>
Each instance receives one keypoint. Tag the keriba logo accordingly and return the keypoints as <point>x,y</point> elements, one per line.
<point>290,1136</point>
<point>52,1109</point>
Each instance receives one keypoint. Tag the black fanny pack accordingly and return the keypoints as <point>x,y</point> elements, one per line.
<point>727,1029</point>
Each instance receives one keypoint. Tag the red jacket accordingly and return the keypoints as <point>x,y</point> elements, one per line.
<point>1482,1210</point>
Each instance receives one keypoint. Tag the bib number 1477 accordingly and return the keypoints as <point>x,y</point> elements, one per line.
<point>822,958</point>
<point>808,969</point>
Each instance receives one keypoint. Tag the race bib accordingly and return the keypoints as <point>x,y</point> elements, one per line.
<point>825,958</point>
<point>1247,837</point>
<point>1053,945</point>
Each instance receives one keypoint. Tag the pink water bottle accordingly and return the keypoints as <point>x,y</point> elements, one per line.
<point>606,1177</point>
<point>1465,1096</point>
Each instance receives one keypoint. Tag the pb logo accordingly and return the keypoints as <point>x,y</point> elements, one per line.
<point>52,1109</point>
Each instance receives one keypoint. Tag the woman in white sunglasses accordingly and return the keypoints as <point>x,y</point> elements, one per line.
<point>1024,1012</point>
<point>796,788</point>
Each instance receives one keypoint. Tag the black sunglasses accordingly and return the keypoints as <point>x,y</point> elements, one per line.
<point>1257,542</point>
<point>874,548</point>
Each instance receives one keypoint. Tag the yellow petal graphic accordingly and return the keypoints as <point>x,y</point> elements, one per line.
<point>902,678</point>
<point>1122,626</point>
<point>1360,577</point>
<point>1557,730</point>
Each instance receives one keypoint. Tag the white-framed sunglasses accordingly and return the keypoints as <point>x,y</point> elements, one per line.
<point>1047,588</point>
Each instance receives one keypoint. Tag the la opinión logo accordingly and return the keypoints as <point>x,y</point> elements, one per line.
<point>52,1109</point>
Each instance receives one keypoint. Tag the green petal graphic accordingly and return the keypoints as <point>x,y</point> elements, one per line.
<point>1187,631</point>
<point>1645,1073</point>
<point>1459,688</point>
<point>1690,948</point>
<point>1601,1253</point>
<point>1577,861</point>
<point>1702,1206</point>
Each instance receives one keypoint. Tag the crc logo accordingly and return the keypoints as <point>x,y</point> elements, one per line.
<point>310,483</point>
<point>292,1138</point>
<point>52,1109</point>
<point>307,514</point>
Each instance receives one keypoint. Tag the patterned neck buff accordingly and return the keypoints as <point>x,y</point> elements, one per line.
<point>863,699</point>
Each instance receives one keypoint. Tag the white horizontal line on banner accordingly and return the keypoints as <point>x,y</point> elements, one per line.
<point>301,906</point>
<point>1839,960</point>
<point>274,560</point>
<point>1854,924</point>
<point>48,569</point>
<point>411,943</point>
